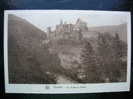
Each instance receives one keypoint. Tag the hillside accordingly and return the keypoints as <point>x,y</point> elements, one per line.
<point>29,59</point>
<point>112,29</point>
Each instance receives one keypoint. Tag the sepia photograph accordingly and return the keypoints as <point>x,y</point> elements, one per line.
<point>59,47</point>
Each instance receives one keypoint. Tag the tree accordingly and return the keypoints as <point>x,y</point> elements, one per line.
<point>89,62</point>
<point>110,56</point>
<point>120,53</point>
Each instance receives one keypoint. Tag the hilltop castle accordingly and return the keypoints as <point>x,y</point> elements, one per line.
<point>68,31</point>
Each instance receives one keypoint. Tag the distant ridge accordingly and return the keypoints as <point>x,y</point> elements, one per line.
<point>112,29</point>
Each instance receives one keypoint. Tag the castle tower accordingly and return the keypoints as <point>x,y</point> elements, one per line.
<point>81,25</point>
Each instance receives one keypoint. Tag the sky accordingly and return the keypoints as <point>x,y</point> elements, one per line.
<point>45,18</point>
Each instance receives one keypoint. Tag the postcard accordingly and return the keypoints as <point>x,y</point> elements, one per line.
<point>67,51</point>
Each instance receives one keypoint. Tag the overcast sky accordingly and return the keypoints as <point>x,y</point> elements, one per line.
<point>43,19</point>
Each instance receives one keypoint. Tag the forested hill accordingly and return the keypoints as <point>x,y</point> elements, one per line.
<point>121,30</point>
<point>29,59</point>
